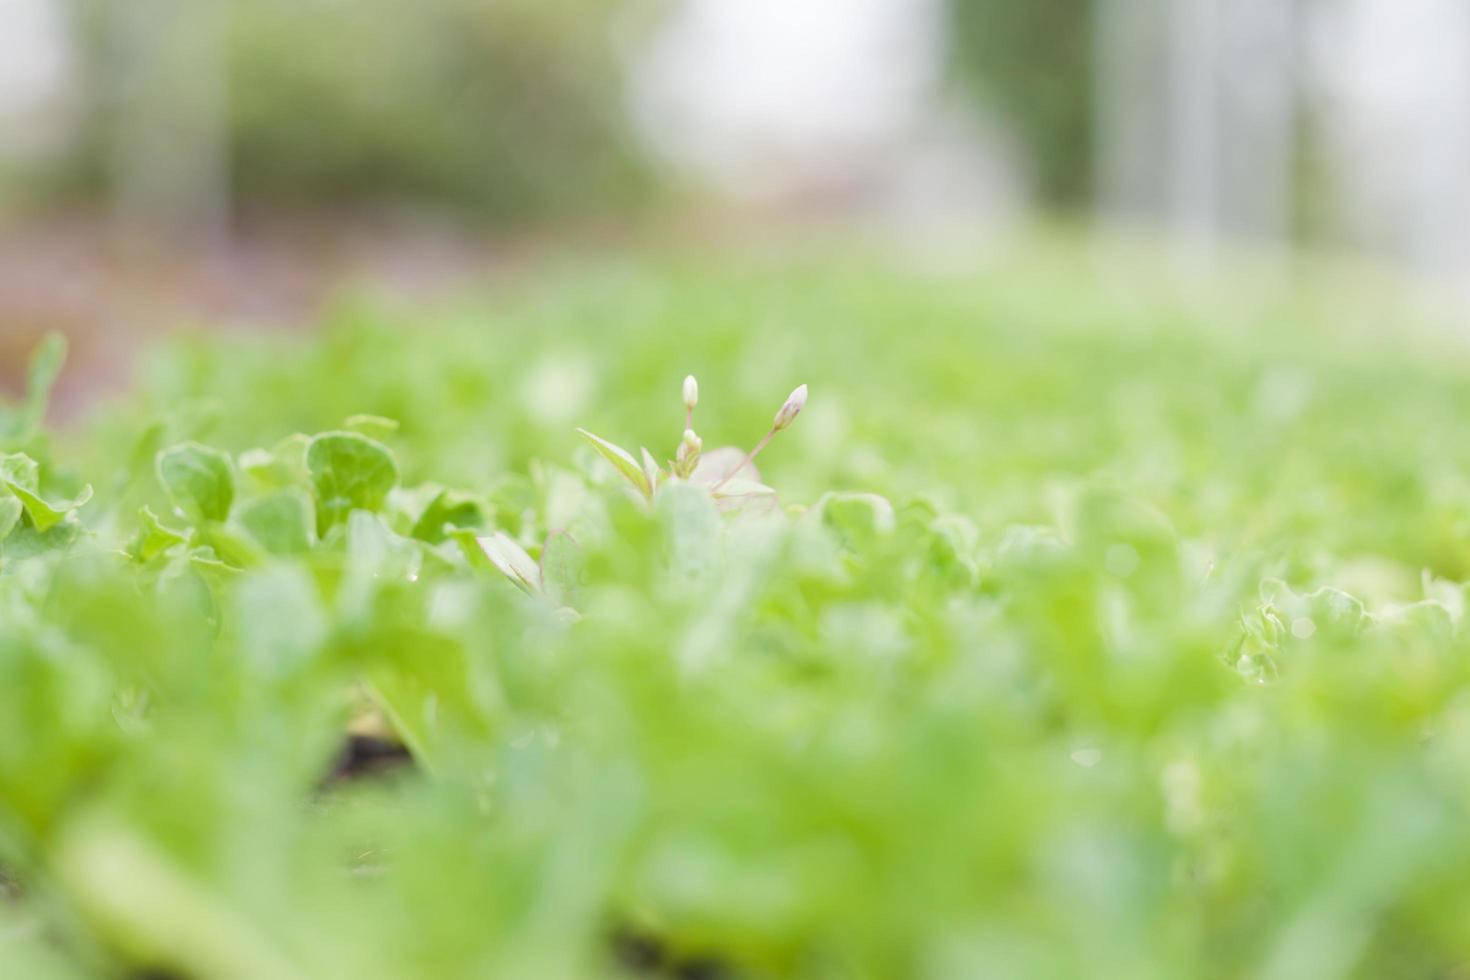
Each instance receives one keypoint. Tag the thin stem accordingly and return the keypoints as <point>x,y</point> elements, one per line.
<point>746,461</point>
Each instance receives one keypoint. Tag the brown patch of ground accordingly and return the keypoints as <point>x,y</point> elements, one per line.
<point>111,289</point>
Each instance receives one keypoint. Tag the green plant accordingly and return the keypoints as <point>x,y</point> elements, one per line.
<point>1087,639</point>
<point>728,474</point>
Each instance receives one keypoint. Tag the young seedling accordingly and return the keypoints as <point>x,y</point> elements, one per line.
<point>646,476</point>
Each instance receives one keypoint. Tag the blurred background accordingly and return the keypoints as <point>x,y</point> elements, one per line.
<point>237,160</point>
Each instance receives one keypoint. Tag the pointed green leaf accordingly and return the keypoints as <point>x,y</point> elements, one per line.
<point>42,372</point>
<point>469,546</point>
<point>650,468</point>
<point>507,557</point>
<point>622,461</point>
<point>154,538</point>
<point>46,514</point>
<point>19,425</point>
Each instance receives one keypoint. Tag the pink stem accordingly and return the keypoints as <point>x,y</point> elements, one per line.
<point>744,462</point>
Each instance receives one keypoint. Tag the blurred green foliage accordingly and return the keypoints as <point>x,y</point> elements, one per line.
<point>1150,660</point>
<point>500,109</point>
<point>1030,62</point>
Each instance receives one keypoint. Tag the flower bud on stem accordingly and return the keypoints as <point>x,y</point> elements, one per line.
<point>795,402</point>
<point>691,398</point>
<point>792,407</point>
<point>687,455</point>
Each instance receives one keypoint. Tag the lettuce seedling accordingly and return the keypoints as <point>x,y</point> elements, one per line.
<point>20,493</point>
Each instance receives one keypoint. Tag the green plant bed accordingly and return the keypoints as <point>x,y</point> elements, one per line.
<point>1067,630</point>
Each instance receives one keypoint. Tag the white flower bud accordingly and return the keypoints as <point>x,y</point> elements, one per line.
<point>691,392</point>
<point>687,456</point>
<point>789,411</point>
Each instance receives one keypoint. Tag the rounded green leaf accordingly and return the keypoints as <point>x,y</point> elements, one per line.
<point>199,480</point>
<point>372,426</point>
<point>348,472</point>
<point>281,521</point>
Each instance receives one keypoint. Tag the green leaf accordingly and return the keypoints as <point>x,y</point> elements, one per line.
<point>348,472</point>
<point>504,555</point>
<point>857,516</point>
<point>283,465</point>
<point>199,480</point>
<point>622,461</point>
<point>691,526</point>
<point>19,425</point>
<point>146,902</point>
<point>10,511</point>
<point>27,541</point>
<point>280,522</point>
<point>233,545</point>
<point>372,426</point>
<point>154,538</point>
<point>450,509</point>
<point>650,467</point>
<point>562,563</point>
<point>20,468</point>
<point>45,514</point>
<point>42,372</point>
<point>469,546</point>
<point>281,620</point>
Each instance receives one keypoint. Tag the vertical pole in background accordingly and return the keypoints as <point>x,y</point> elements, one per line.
<point>167,144</point>
<point>1257,107</point>
<point>1192,126</point>
<point>1128,108</point>
<point>1196,117</point>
